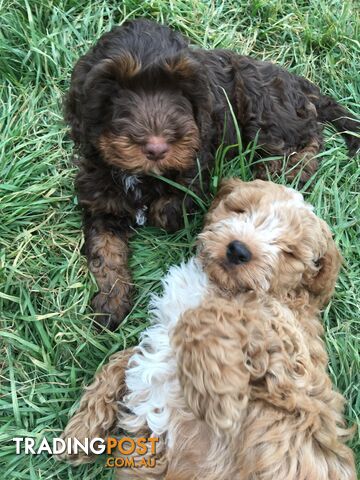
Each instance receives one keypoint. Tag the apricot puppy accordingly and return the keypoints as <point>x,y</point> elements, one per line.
<point>232,375</point>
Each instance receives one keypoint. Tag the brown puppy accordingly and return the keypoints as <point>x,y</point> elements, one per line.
<point>143,103</point>
<point>232,375</point>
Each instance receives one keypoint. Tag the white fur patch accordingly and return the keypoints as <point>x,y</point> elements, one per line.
<point>131,184</point>
<point>264,231</point>
<point>140,216</point>
<point>151,378</point>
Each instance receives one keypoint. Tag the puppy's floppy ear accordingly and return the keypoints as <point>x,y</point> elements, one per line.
<point>74,99</point>
<point>227,186</point>
<point>120,68</point>
<point>190,76</point>
<point>181,66</point>
<point>91,88</point>
<point>322,285</point>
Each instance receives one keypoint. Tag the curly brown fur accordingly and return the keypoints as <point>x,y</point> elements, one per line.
<point>166,213</point>
<point>107,254</point>
<point>142,102</point>
<point>302,164</point>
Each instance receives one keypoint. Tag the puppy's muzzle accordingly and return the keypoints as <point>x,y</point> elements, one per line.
<point>156,148</point>
<point>238,253</point>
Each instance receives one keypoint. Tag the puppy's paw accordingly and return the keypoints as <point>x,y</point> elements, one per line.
<point>353,144</point>
<point>300,165</point>
<point>167,213</point>
<point>112,307</point>
<point>298,169</point>
<point>210,343</point>
<point>113,300</point>
<point>98,411</point>
<point>78,428</point>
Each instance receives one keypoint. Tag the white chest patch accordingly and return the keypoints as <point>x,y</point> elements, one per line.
<point>140,217</point>
<point>151,379</point>
<point>131,184</point>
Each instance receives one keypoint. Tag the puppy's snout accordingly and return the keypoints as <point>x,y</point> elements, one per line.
<point>237,253</point>
<point>156,148</point>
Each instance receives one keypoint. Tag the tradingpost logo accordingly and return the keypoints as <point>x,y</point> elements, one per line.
<point>125,452</point>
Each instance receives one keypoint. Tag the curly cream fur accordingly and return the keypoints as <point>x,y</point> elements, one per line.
<point>232,375</point>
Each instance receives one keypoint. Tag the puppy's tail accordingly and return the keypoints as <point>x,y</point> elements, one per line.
<point>330,111</point>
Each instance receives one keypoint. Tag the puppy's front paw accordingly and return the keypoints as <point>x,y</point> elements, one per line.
<point>167,213</point>
<point>113,300</point>
<point>210,343</point>
<point>112,306</point>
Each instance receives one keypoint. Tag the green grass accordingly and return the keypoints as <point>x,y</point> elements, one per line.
<point>49,348</point>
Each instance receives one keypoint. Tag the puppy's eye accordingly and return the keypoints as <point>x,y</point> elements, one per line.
<point>232,204</point>
<point>238,210</point>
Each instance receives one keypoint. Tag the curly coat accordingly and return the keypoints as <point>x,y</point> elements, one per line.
<point>232,375</point>
<point>143,103</point>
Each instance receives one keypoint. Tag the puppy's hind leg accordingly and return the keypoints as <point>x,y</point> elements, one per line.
<point>97,414</point>
<point>303,164</point>
<point>300,164</point>
<point>330,111</point>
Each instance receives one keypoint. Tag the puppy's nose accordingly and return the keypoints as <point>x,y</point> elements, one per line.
<point>156,148</point>
<point>237,253</point>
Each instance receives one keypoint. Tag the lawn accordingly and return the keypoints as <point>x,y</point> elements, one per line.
<point>49,346</point>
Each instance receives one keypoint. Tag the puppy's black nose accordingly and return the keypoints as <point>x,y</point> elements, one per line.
<point>156,148</point>
<point>237,253</point>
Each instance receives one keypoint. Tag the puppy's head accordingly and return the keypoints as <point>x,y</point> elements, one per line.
<point>263,237</point>
<point>142,120</point>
